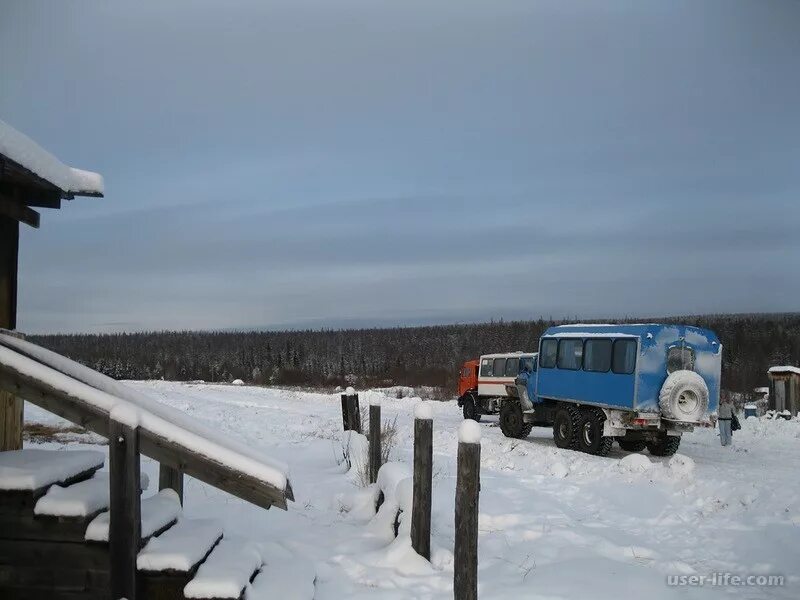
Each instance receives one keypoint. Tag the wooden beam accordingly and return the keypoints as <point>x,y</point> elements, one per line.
<point>9,251</point>
<point>19,212</point>
<point>32,196</point>
<point>169,478</point>
<point>11,406</point>
<point>125,526</point>
<point>164,450</point>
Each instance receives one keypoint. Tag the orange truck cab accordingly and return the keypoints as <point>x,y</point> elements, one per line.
<point>483,383</point>
<point>469,377</point>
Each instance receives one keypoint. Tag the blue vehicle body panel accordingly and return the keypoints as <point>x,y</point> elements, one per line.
<point>640,389</point>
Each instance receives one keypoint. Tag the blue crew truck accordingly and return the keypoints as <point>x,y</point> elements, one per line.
<point>641,385</point>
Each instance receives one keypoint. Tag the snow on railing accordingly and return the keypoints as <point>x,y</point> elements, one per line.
<point>88,398</point>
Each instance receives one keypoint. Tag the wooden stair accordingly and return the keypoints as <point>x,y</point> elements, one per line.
<point>53,540</point>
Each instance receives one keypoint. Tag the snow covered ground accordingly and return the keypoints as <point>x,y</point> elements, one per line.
<point>553,523</point>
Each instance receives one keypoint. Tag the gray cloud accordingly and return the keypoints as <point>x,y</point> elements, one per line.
<point>311,162</point>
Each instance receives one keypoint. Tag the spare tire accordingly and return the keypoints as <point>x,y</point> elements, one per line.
<point>684,397</point>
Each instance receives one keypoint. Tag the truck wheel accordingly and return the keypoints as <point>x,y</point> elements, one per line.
<point>590,433</point>
<point>684,396</point>
<point>632,445</point>
<point>470,409</point>
<point>565,427</point>
<point>665,446</point>
<point>511,422</point>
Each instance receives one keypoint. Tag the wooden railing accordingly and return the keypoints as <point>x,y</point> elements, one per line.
<point>128,419</point>
<point>78,403</point>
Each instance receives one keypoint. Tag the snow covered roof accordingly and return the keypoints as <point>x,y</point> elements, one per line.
<point>21,149</point>
<point>761,390</point>
<point>784,369</point>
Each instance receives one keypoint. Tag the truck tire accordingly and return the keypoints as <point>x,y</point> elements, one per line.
<point>566,424</point>
<point>632,445</point>
<point>684,397</point>
<point>470,408</point>
<point>590,433</point>
<point>665,446</point>
<point>511,423</point>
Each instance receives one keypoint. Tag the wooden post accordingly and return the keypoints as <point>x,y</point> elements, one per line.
<point>374,441</point>
<point>468,485</point>
<point>345,419</point>
<point>353,413</point>
<point>169,477</point>
<point>423,481</point>
<point>11,407</point>
<point>125,529</point>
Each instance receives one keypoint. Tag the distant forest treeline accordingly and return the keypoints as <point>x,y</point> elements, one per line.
<point>427,355</point>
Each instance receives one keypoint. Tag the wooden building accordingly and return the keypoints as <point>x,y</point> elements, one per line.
<point>30,178</point>
<point>784,389</point>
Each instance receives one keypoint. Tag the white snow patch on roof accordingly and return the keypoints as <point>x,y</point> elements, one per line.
<point>31,469</point>
<point>181,547</point>
<point>27,153</point>
<point>423,410</point>
<point>784,369</point>
<point>469,432</point>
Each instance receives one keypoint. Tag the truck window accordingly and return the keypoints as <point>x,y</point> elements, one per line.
<point>547,356</point>
<point>597,355</point>
<point>499,367</point>
<point>465,372</point>
<point>512,367</point>
<point>624,359</point>
<point>680,358</point>
<point>530,364</point>
<point>486,367</point>
<point>570,354</point>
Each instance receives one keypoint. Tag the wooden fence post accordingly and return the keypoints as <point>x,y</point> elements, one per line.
<point>12,416</point>
<point>468,485</point>
<point>423,480</point>
<point>354,413</point>
<point>345,419</point>
<point>172,478</point>
<point>125,528</point>
<point>374,441</point>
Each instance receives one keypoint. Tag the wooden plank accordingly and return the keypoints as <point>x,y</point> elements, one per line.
<point>65,555</point>
<point>374,441</point>
<point>125,527</point>
<point>170,478</point>
<point>44,528</point>
<point>19,212</point>
<point>468,484</point>
<point>17,502</point>
<point>163,450</point>
<point>423,482</point>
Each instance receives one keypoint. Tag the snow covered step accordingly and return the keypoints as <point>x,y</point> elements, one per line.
<point>289,577</point>
<point>31,469</point>
<point>181,547</point>
<point>227,571</point>
<point>79,499</point>
<point>157,512</point>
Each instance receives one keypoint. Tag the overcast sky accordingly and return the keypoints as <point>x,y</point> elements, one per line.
<point>316,163</point>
